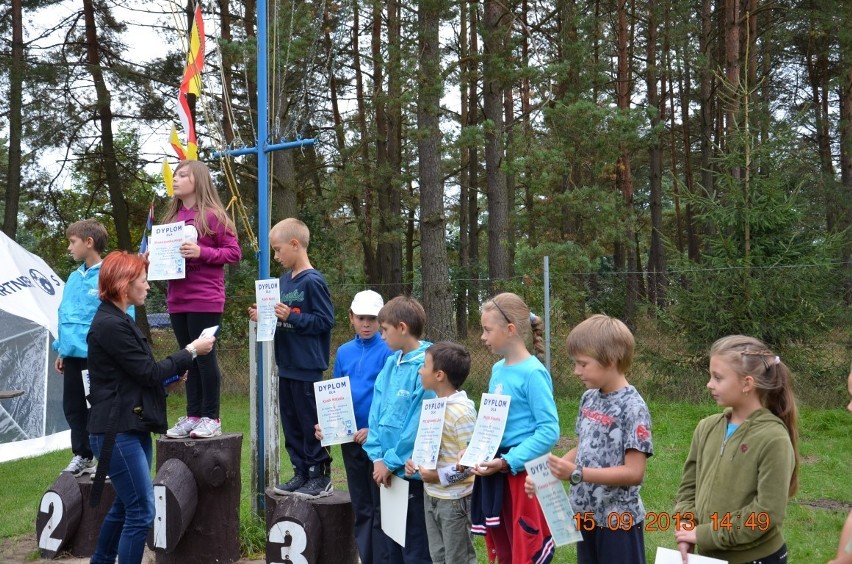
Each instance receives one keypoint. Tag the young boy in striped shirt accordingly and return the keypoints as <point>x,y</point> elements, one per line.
<point>447,503</point>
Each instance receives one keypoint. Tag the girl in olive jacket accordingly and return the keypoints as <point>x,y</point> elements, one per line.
<point>742,464</point>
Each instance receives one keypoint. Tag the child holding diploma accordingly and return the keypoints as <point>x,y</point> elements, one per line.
<point>743,463</point>
<point>447,500</point>
<point>514,525</point>
<point>197,301</point>
<point>394,416</point>
<point>362,359</point>
<point>613,429</point>
<point>302,348</point>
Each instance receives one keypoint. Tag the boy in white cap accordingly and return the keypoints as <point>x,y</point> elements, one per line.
<point>362,359</point>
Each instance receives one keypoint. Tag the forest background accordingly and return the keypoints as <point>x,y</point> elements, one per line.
<point>686,165</point>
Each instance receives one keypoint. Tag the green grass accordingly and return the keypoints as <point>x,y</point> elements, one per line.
<point>812,526</point>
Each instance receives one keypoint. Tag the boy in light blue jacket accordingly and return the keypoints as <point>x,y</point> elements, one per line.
<point>87,239</point>
<point>395,415</point>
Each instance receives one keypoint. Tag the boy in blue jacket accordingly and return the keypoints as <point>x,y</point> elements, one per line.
<point>302,348</point>
<point>87,239</point>
<point>395,415</point>
<point>362,359</point>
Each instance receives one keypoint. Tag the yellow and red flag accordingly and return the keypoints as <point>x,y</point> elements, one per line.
<point>180,150</point>
<point>168,178</point>
<point>190,86</point>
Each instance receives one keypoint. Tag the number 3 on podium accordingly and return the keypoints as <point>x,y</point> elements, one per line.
<point>293,540</point>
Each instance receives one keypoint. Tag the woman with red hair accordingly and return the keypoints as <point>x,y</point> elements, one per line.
<point>128,404</point>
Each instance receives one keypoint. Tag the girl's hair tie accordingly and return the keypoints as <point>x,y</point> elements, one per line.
<point>532,317</point>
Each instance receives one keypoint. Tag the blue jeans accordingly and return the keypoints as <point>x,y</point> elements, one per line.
<point>125,527</point>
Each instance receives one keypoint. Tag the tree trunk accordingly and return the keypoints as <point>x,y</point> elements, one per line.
<point>361,208</point>
<point>624,178</point>
<point>494,28</point>
<point>817,65</point>
<point>285,188</point>
<point>706,101</point>
<point>684,82</point>
<point>511,178</point>
<point>845,197</point>
<point>109,159</point>
<point>668,51</point>
<point>461,286</point>
<point>16,86</point>
<point>227,71</point>
<point>657,258</point>
<point>389,247</point>
<point>433,238</point>
<point>473,166</point>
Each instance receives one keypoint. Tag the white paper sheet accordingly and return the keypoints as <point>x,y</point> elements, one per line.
<point>267,294</point>
<point>488,432</point>
<point>164,259</point>
<point>335,413</point>
<point>86,388</point>
<point>210,331</point>
<point>394,507</point>
<point>429,431</point>
<point>670,556</point>
<point>554,502</point>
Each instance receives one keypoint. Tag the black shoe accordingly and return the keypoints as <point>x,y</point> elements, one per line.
<point>314,488</point>
<point>293,484</point>
<point>318,484</point>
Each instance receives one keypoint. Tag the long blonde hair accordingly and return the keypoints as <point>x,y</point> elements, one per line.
<point>206,200</point>
<point>748,356</point>
<point>510,308</point>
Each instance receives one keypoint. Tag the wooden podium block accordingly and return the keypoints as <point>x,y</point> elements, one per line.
<point>310,531</point>
<point>85,541</point>
<point>213,534</point>
<point>65,522</point>
<point>175,500</point>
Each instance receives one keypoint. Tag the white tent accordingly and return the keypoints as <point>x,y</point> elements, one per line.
<point>30,293</point>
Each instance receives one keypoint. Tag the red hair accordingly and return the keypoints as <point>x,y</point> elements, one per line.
<point>118,270</point>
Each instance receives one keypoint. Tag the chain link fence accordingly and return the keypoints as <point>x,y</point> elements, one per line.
<point>665,367</point>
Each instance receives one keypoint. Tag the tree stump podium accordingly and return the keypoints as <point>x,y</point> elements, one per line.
<point>197,500</point>
<point>310,531</point>
<point>65,522</point>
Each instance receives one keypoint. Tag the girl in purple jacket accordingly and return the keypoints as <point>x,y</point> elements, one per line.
<point>197,301</point>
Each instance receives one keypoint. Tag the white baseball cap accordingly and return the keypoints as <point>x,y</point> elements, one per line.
<point>367,302</point>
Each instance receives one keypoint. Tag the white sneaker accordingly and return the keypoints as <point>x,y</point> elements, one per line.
<point>79,466</point>
<point>207,428</point>
<point>183,427</point>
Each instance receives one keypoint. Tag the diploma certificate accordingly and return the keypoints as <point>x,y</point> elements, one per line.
<point>429,431</point>
<point>164,260</point>
<point>335,413</point>
<point>266,294</point>
<point>488,432</point>
<point>554,502</point>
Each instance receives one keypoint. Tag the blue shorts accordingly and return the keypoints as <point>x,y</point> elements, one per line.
<point>603,545</point>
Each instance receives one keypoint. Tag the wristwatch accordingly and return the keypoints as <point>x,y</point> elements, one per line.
<point>192,351</point>
<point>576,476</point>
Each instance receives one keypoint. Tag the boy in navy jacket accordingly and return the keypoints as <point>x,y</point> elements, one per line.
<point>302,347</point>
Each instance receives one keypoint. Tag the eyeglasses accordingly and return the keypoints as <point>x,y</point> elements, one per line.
<point>503,313</point>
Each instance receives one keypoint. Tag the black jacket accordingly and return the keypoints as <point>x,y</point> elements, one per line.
<point>122,365</point>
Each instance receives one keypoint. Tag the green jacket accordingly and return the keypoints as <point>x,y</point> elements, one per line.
<point>737,489</point>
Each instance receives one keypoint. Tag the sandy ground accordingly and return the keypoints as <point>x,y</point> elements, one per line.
<point>15,550</point>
